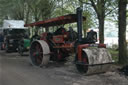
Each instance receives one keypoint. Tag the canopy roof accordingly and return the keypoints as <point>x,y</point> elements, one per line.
<point>61,20</point>
<point>13,24</point>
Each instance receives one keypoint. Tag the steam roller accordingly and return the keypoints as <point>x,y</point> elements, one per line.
<point>89,58</point>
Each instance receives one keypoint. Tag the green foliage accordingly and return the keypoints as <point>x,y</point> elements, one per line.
<point>114,54</point>
<point>69,6</point>
<point>35,10</point>
<point>89,22</point>
<point>27,10</point>
<point>41,9</point>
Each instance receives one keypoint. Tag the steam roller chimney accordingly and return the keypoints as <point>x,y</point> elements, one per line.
<point>79,23</point>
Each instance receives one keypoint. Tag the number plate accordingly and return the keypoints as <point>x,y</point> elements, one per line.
<point>93,45</point>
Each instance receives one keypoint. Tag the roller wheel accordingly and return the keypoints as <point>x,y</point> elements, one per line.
<point>39,53</point>
<point>81,67</point>
<point>36,54</point>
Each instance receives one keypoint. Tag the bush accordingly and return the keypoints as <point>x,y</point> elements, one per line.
<point>114,54</point>
<point>115,46</point>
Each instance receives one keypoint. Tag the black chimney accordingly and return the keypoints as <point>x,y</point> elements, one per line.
<point>79,23</point>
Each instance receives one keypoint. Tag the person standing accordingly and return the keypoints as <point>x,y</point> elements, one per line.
<point>1,40</point>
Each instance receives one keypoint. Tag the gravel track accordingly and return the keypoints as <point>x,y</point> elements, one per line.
<point>16,70</point>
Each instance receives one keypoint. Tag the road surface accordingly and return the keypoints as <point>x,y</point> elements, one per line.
<point>17,70</point>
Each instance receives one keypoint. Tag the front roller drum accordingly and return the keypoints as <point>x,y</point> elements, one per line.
<point>39,53</point>
<point>94,60</point>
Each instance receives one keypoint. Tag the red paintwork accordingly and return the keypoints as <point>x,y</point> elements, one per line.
<point>58,39</point>
<point>66,45</point>
<point>61,20</point>
<point>80,47</point>
<point>43,36</point>
<point>102,45</point>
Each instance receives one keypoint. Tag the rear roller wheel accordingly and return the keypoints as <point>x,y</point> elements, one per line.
<point>37,53</point>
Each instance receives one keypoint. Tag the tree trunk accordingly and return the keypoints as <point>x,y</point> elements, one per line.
<point>101,29</point>
<point>27,16</point>
<point>123,59</point>
<point>101,17</point>
<point>85,31</point>
<point>100,11</point>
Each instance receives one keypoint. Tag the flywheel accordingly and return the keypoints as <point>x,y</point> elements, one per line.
<point>39,53</point>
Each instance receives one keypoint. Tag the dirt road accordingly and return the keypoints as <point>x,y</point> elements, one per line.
<point>17,70</point>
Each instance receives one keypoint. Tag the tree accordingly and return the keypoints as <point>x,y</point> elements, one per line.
<point>27,10</point>
<point>70,6</point>
<point>4,4</point>
<point>13,9</point>
<point>17,9</point>
<point>123,58</point>
<point>102,8</point>
<point>100,11</point>
<point>41,9</point>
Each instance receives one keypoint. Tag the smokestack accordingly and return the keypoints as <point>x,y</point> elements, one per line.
<point>79,23</point>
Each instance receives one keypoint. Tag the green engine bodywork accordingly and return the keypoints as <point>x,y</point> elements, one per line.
<point>27,43</point>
